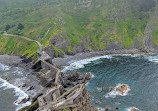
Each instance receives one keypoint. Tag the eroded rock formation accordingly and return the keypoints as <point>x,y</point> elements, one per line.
<point>65,91</point>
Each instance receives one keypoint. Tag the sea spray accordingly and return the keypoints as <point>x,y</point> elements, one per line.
<point>4,67</point>
<point>80,64</point>
<point>77,64</point>
<point>18,92</point>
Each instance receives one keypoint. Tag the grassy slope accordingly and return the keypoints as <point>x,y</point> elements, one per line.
<point>18,46</point>
<point>116,19</point>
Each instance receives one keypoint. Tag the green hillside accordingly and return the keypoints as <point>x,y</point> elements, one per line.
<point>95,23</point>
<point>14,45</point>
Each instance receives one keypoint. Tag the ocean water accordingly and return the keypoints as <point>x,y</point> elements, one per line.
<point>11,91</point>
<point>139,72</point>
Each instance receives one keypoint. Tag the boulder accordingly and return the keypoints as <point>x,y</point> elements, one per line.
<point>122,89</point>
<point>88,76</point>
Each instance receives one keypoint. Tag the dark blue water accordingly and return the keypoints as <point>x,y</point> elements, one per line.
<point>138,73</point>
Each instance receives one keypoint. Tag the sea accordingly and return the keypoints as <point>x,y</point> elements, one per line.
<point>11,90</point>
<point>138,72</point>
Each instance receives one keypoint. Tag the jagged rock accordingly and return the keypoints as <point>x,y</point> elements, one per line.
<point>7,79</point>
<point>23,85</point>
<point>111,89</point>
<point>24,100</point>
<point>36,97</point>
<point>70,53</point>
<point>62,90</point>
<point>44,82</point>
<point>48,84</point>
<point>73,76</point>
<point>87,76</point>
<point>65,82</point>
<point>30,88</point>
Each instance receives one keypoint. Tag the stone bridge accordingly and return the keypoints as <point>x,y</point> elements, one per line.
<point>51,69</point>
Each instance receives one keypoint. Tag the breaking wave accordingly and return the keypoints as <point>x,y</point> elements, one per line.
<point>77,64</point>
<point>80,64</point>
<point>152,58</point>
<point>4,67</point>
<point>18,92</point>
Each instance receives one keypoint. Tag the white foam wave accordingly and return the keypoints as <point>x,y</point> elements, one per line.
<point>115,93</point>
<point>92,75</point>
<point>4,67</point>
<point>152,58</point>
<point>80,64</point>
<point>23,105</point>
<point>75,64</point>
<point>17,71</point>
<point>18,92</point>
<point>87,83</point>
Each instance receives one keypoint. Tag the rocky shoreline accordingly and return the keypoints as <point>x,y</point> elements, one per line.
<point>60,62</point>
<point>23,80</point>
<point>67,81</point>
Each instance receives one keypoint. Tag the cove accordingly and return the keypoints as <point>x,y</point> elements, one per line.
<point>139,72</point>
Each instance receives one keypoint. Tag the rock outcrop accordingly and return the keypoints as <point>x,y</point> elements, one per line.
<point>65,91</point>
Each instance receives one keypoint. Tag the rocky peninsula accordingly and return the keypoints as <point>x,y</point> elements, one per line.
<point>67,92</point>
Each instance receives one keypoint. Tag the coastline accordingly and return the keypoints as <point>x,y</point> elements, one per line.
<point>60,62</point>
<point>24,83</point>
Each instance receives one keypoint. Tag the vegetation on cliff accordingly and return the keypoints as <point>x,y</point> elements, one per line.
<point>18,46</point>
<point>85,24</point>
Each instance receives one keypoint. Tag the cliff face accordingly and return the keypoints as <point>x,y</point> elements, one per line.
<point>61,91</point>
<point>150,35</point>
<point>81,103</point>
<point>76,99</point>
